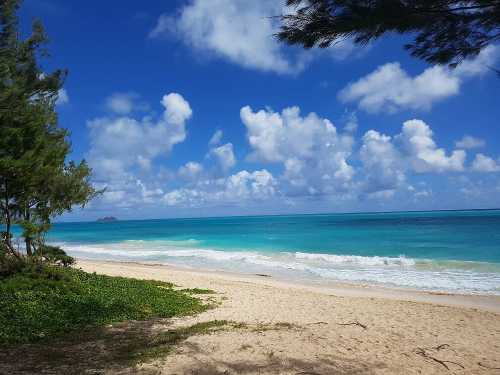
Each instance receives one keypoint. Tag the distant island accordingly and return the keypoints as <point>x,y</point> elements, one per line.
<point>107,219</point>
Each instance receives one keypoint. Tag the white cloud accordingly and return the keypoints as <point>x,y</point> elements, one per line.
<point>351,123</point>
<point>62,97</point>
<point>236,189</point>
<point>469,142</point>
<point>383,167</point>
<point>177,110</point>
<point>390,88</point>
<point>114,196</point>
<point>216,138</point>
<point>418,144</point>
<point>190,170</point>
<point>123,103</point>
<point>224,156</point>
<point>483,163</point>
<point>238,30</point>
<point>480,65</point>
<point>313,154</point>
<point>386,161</point>
<point>311,159</point>
<point>149,195</point>
<point>123,147</point>
<point>242,32</point>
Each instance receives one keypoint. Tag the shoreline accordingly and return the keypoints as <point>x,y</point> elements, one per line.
<point>483,302</point>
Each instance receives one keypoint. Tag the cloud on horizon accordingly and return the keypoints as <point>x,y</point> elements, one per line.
<point>296,156</point>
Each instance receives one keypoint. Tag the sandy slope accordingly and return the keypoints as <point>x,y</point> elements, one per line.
<point>401,333</point>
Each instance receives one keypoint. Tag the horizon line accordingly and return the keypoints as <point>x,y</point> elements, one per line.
<point>278,215</point>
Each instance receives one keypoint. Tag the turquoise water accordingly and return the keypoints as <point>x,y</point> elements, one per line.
<point>447,250</point>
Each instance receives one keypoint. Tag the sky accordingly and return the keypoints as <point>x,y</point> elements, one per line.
<point>188,108</point>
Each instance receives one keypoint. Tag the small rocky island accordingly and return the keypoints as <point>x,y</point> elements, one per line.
<point>107,219</point>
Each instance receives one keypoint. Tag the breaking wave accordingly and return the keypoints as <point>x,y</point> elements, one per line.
<point>423,274</point>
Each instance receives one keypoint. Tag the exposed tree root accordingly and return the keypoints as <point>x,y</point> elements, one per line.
<point>316,323</point>
<point>356,323</point>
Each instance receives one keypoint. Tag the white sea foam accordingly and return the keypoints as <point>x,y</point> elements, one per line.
<point>392,271</point>
<point>358,260</point>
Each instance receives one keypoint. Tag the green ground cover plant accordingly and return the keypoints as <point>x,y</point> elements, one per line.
<point>41,301</point>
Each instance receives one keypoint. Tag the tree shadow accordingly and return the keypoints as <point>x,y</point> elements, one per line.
<point>277,365</point>
<point>118,349</point>
<point>113,349</point>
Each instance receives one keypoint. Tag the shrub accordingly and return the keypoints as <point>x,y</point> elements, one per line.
<point>55,255</point>
<point>9,265</point>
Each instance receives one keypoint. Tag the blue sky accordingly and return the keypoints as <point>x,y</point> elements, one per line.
<point>191,108</point>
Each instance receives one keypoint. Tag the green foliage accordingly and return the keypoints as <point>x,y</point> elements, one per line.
<point>36,181</point>
<point>54,254</point>
<point>9,265</point>
<point>45,301</point>
<point>444,31</point>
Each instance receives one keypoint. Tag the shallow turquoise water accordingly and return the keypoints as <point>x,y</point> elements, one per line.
<point>445,250</point>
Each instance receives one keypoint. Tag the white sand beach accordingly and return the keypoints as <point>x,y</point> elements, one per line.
<point>338,329</point>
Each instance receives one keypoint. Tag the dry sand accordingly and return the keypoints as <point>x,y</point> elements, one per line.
<point>299,329</point>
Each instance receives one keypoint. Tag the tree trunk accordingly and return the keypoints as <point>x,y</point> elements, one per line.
<point>27,240</point>
<point>8,226</point>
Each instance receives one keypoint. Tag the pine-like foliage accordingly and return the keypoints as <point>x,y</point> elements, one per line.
<point>36,181</point>
<point>442,32</point>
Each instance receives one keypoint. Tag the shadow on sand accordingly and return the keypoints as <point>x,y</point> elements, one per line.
<point>119,349</point>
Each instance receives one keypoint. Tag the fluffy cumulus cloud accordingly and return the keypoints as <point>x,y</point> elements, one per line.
<point>310,159</point>
<point>123,147</point>
<point>124,103</point>
<point>418,145</point>
<point>390,88</point>
<point>190,170</point>
<point>224,155</point>
<point>469,142</point>
<point>237,189</point>
<point>483,163</point>
<point>119,143</point>
<point>384,169</point>
<point>387,161</point>
<point>240,31</point>
<point>314,155</point>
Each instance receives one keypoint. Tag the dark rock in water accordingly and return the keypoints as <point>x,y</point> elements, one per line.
<point>107,219</point>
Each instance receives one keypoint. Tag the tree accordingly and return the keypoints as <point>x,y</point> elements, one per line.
<point>443,31</point>
<point>36,181</point>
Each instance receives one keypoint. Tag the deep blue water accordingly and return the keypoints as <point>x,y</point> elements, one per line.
<point>445,250</point>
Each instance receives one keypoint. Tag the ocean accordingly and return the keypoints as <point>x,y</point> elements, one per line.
<point>450,251</point>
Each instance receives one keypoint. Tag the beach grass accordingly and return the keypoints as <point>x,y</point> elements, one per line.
<point>37,305</point>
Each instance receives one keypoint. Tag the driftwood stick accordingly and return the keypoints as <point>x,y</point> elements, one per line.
<point>423,353</point>
<point>488,367</point>
<point>356,323</point>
